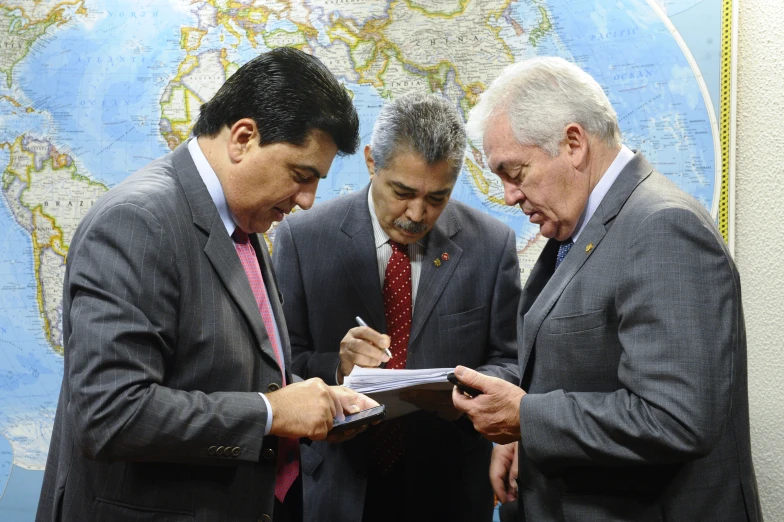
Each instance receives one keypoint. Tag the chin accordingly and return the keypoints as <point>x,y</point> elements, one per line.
<point>407,240</point>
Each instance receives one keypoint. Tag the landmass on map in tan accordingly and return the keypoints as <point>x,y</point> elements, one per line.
<point>48,197</point>
<point>447,46</point>
<point>22,24</point>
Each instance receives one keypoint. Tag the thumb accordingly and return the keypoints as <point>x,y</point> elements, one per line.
<point>471,377</point>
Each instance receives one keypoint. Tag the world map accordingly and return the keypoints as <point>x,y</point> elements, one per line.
<point>92,90</point>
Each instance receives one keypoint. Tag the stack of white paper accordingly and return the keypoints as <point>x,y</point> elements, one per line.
<point>374,380</point>
<point>384,386</point>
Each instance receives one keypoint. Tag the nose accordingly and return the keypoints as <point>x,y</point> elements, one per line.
<point>307,194</point>
<point>512,193</point>
<point>415,211</point>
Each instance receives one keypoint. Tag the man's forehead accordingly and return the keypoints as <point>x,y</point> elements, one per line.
<point>430,189</point>
<point>499,140</point>
<point>502,157</point>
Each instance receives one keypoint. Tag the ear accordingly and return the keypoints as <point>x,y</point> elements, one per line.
<point>243,135</point>
<point>576,143</point>
<point>371,165</point>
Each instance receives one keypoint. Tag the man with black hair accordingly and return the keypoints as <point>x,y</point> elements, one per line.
<point>178,401</point>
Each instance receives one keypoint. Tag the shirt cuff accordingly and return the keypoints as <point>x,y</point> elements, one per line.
<point>268,427</point>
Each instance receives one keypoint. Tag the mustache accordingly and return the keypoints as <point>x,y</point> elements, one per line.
<point>412,227</point>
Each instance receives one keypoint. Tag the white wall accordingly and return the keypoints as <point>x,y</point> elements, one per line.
<point>759,234</point>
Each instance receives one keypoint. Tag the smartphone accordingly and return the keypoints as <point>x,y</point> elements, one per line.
<point>464,388</point>
<point>356,420</point>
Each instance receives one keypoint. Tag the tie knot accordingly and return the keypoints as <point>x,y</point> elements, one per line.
<point>398,247</point>
<point>563,249</point>
<point>239,236</point>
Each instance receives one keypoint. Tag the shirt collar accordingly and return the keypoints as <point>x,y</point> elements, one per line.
<point>379,235</point>
<point>600,190</point>
<point>212,182</point>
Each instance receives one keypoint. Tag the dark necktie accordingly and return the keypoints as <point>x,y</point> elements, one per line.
<point>388,441</point>
<point>397,304</point>
<point>562,251</point>
<point>288,449</point>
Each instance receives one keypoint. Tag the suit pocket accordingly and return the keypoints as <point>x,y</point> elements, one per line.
<point>461,319</point>
<point>577,323</point>
<point>105,509</point>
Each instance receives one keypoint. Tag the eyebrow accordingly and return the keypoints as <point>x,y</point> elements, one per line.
<point>313,170</point>
<point>401,186</point>
<point>500,167</point>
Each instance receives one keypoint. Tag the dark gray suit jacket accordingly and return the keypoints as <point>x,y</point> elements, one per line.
<point>464,313</point>
<point>159,418</point>
<point>634,357</point>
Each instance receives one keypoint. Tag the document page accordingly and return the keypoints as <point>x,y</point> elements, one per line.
<point>384,386</point>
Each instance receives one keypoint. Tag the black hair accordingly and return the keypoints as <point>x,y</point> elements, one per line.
<point>288,93</point>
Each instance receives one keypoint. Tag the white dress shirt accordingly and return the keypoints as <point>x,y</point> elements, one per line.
<point>601,188</point>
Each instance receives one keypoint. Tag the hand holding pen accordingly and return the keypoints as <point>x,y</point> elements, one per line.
<point>362,346</point>
<point>361,322</point>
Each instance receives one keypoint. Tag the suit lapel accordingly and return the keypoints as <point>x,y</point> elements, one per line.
<point>357,250</point>
<point>593,233</point>
<point>220,249</point>
<point>275,298</point>
<point>434,277</point>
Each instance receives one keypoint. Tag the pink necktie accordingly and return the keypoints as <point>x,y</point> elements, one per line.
<point>288,449</point>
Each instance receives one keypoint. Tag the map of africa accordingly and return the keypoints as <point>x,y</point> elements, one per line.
<point>91,90</point>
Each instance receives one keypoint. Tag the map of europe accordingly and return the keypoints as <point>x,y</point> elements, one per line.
<point>92,90</point>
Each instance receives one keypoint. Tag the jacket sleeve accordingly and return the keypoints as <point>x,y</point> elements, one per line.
<point>124,290</point>
<point>305,361</point>
<point>502,334</point>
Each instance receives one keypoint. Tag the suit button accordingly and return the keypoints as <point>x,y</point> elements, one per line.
<point>236,452</point>
<point>219,451</point>
<point>273,387</point>
<point>211,450</point>
<point>268,454</point>
<point>265,518</point>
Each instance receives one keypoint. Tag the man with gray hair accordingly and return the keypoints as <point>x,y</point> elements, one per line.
<point>438,283</point>
<point>633,403</point>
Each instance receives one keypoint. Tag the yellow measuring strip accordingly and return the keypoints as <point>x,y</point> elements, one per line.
<point>725,116</point>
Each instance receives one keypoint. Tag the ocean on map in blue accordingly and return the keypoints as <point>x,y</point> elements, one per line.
<point>30,376</point>
<point>104,91</point>
<point>663,108</point>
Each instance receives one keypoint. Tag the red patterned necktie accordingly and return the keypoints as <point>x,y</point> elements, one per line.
<point>397,304</point>
<point>288,449</point>
<point>388,440</point>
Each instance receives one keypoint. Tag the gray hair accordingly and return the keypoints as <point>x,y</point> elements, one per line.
<point>426,124</point>
<point>541,96</point>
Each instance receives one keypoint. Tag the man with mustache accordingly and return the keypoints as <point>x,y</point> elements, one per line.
<point>438,285</point>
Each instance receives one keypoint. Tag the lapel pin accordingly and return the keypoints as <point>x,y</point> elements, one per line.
<point>437,262</point>
<point>589,248</point>
<point>445,256</point>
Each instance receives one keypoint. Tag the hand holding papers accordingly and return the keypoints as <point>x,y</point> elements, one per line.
<point>385,386</point>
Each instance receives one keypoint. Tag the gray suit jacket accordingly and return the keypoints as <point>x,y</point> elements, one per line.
<point>464,313</point>
<point>634,357</point>
<point>159,418</point>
